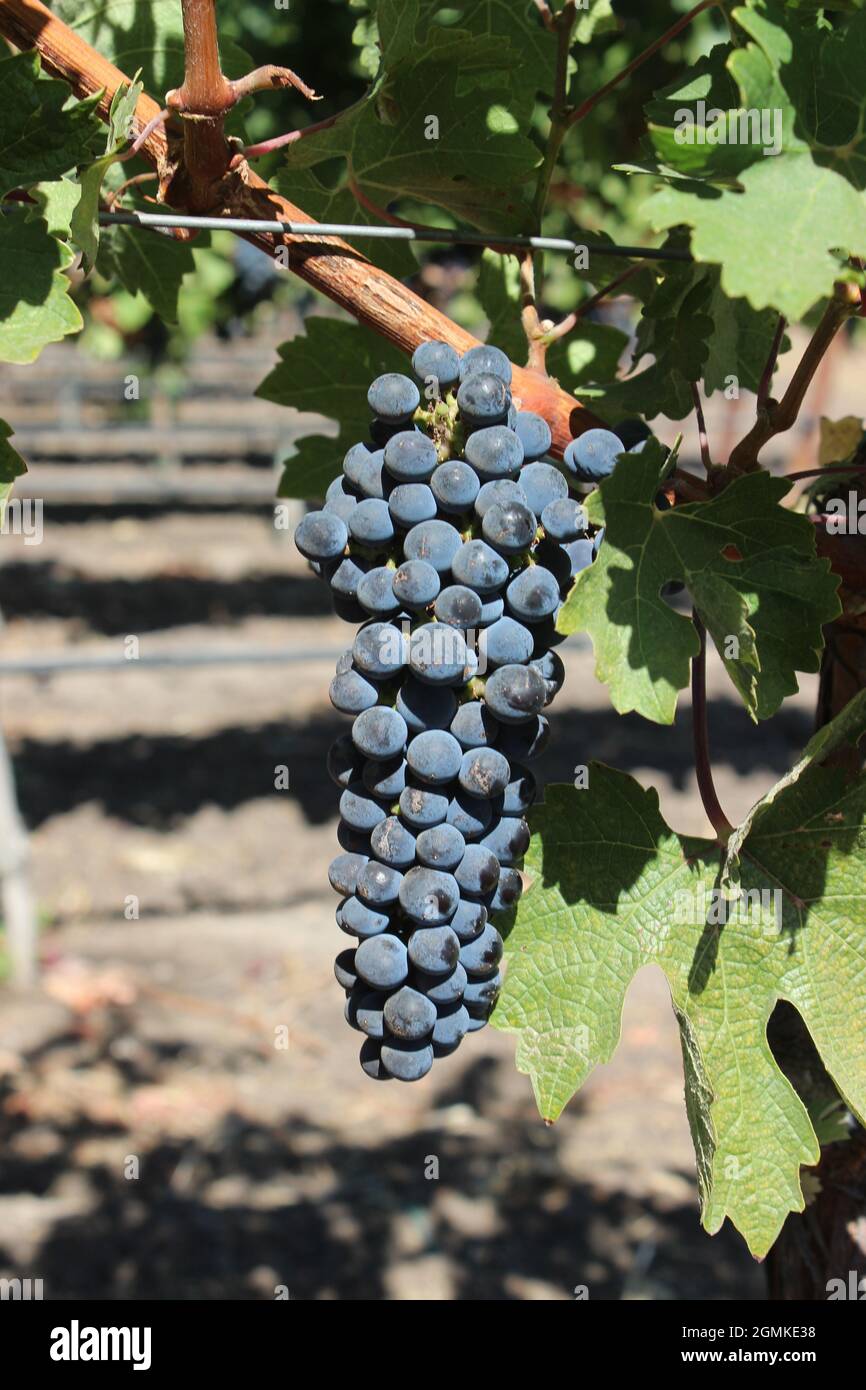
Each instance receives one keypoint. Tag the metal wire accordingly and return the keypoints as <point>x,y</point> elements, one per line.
<point>104,661</point>
<point>348,230</point>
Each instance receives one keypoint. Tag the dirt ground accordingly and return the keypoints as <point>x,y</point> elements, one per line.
<point>156,1141</point>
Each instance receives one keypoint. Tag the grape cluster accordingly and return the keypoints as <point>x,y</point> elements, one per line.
<point>452,540</point>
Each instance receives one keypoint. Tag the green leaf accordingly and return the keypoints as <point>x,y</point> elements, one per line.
<point>45,132</point>
<point>35,306</point>
<point>848,727</point>
<point>85,219</point>
<point>150,264</point>
<point>12,466</point>
<point>55,204</point>
<point>806,202</point>
<point>750,566</point>
<point>615,889</point>
<point>446,121</point>
<point>145,37</point>
<point>328,372</point>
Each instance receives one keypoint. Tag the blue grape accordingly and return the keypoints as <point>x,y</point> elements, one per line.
<point>339,500</point>
<point>380,650</point>
<point>344,969</point>
<point>473,725</point>
<point>478,566</point>
<point>426,706</point>
<point>385,779</point>
<point>346,575</point>
<point>378,885</point>
<point>564,519</point>
<point>436,359</point>
<point>343,873</point>
<point>481,995</point>
<point>370,523</point>
<point>495,452</point>
<point>514,693</point>
<point>440,847</point>
<point>437,654</point>
<point>450,1028</point>
<point>534,434</point>
<point>593,455</point>
<point>422,807</point>
<point>411,457</point>
<point>520,792</point>
<point>429,897</point>
<point>508,891</point>
<point>479,957</point>
<point>492,609</point>
<point>483,400</point>
<point>380,732</point>
<point>383,961</point>
<point>443,989</point>
<point>409,1014</point>
<point>406,1061</point>
<point>350,692</point>
<point>533,594</point>
<point>488,359</point>
<point>393,397</point>
<point>478,871</point>
<point>363,920</point>
<point>354,461</point>
<point>435,541</point>
<point>364,1011</point>
<point>455,486</point>
<point>370,475</point>
<point>392,843</point>
<point>509,527</point>
<point>435,950</point>
<point>370,1058</point>
<point>344,761</point>
<point>550,668</point>
<point>507,641</point>
<point>498,490</point>
<point>434,756</point>
<point>580,555</point>
<point>322,536</point>
<point>469,814</point>
<point>415,584</point>
<point>469,920</point>
<point>360,811</point>
<point>484,772</point>
<point>411,503</point>
<point>526,740</point>
<point>458,606</point>
<point>508,840</point>
<point>542,484</point>
<point>376,592</point>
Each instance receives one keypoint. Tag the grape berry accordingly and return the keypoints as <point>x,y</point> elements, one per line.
<point>452,540</point>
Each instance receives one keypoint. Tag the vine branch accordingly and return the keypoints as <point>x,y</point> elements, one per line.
<point>706,458</point>
<point>703,766</point>
<point>775,417</point>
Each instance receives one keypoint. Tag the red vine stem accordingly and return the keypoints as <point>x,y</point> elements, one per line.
<point>278,142</point>
<point>703,766</point>
<point>592,101</point>
<point>571,320</point>
<point>765,385</point>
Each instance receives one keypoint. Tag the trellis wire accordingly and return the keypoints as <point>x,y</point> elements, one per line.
<point>387,232</point>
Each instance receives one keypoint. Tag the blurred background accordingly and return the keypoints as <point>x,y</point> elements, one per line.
<point>157,1140</point>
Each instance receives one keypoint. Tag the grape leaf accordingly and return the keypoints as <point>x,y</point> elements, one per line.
<point>446,123</point>
<point>403,27</point>
<point>848,727</point>
<point>750,566</point>
<point>812,190</point>
<point>55,203</point>
<point>614,889</point>
<point>35,305</point>
<point>327,371</point>
<point>12,466</point>
<point>45,132</point>
<point>148,263</point>
<point>84,225</point>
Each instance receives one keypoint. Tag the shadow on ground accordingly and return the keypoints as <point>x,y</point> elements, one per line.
<point>243,1207</point>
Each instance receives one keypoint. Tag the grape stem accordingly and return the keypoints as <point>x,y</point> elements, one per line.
<point>546,13</point>
<point>535,337</point>
<point>113,198</point>
<point>583,110</point>
<point>278,142</point>
<point>706,459</point>
<point>700,732</point>
<point>775,417</point>
<point>571,320</point>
